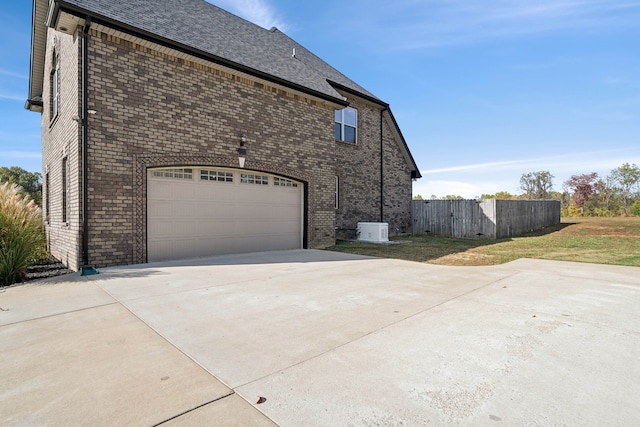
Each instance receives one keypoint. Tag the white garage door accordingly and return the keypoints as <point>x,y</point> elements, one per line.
<point>196,212</point>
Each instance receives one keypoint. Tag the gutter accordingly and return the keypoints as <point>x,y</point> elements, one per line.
<point>382,166</point>
<point>65,6</point>
<point>86,269</point>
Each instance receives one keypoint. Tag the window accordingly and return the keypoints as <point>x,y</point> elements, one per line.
<point>174,173</point>
<point>46,197</point>
<point>246,178</point>
<point>54,102</point>
<point>211,175</point>
<point>346,125</point>
<point>282,182</point>
<point>337,192</point>
<point>65,189</point>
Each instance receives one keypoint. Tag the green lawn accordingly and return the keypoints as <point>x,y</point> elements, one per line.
<point>597,240</point>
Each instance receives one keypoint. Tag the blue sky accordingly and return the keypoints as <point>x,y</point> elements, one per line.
<point>483,90</point>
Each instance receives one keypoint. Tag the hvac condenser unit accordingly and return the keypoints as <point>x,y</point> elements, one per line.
<point>376,232</point>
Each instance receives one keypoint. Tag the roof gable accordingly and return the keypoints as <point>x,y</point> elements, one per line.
<point>202,27</point>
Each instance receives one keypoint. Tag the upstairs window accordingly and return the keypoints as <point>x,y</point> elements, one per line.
<point>54,102</point>
<point>346,125</point>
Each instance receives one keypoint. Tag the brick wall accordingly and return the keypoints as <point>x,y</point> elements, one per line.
<point>60,139</point>
<point>397,185</point>
<point>360,176</point>
<point>157,107</point>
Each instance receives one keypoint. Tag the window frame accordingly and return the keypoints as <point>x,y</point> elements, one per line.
<point>341,122</point>
<point>186,174</point>
<point>216,175</point>
<point>65,190</point>
<point>254,179</point>
<point>284,182</point>
<point>47,208</point>
<point>54,102</point>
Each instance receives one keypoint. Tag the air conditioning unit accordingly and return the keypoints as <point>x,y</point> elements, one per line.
<point>376,232</point>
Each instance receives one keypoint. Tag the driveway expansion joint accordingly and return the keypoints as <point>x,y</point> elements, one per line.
<point>194,409</point>
<point>62,313</point>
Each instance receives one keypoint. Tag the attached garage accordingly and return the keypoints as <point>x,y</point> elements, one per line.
<point>200,211</point>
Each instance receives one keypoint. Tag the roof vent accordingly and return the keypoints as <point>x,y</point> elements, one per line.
<point>293,55</point>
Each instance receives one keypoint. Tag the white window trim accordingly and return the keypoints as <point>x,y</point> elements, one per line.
<point>55,87</point>
<point>174,173</point>
<point>284,182</point>
<point>215,175</point>
<point>65,190</point>
<point>343,124</point>
<point>254,179</point>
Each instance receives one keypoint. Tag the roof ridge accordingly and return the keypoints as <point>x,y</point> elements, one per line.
<point>212,31</point>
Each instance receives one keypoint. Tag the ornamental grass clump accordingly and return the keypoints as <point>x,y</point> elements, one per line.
<point>21,233</point>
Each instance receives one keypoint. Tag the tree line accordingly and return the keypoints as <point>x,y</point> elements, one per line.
<point>617,194</point>
<point>29,182</point>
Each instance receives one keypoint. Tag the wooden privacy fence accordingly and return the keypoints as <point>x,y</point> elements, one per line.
<point>489,219</point>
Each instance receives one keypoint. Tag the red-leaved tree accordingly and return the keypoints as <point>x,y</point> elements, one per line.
<point>581,186</point>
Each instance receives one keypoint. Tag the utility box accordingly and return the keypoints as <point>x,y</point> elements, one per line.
<point>376,232</point>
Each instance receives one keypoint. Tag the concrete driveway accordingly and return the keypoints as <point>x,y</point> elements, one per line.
<point>326,339</point>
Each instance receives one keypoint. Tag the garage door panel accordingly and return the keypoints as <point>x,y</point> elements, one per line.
<point>195,218</point>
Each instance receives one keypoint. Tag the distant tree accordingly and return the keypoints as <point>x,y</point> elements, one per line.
<point>581,187</point>
<point>452,197</point>
<point>537,185</point>
<point>626,180</point>
<point>500,195</point>
<point>29,181</point>
<point>417,197</point>
<point>607,195</point>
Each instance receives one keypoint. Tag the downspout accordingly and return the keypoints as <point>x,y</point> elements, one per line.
<point>382,167</point>
<point>86,269</point>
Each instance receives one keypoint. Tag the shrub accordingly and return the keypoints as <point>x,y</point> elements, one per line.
<point>635,209</point>
<point>21,233</point>
<point>601,212</point>
<point>575,211</point>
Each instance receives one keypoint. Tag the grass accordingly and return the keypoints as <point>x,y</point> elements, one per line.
<point>613,241</point>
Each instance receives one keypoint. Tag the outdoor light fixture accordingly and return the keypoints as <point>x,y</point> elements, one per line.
<point>242,151</point>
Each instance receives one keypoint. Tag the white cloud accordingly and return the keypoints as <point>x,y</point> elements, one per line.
<point>20,155</point>
<point>473,180</point>
<point>490,165</point>
<point>441,188</point>
<point>428,24</point>
<point>13,97</point>
<point>13,74</point>
<point>260,12</point>
<point>623,82</point>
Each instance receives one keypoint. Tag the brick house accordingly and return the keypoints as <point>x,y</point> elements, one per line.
<point>174,129</point>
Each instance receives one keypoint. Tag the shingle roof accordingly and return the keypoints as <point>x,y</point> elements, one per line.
<point>206,28</point>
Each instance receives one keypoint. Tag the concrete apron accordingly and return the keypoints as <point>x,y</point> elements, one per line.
<point>322,338</point>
